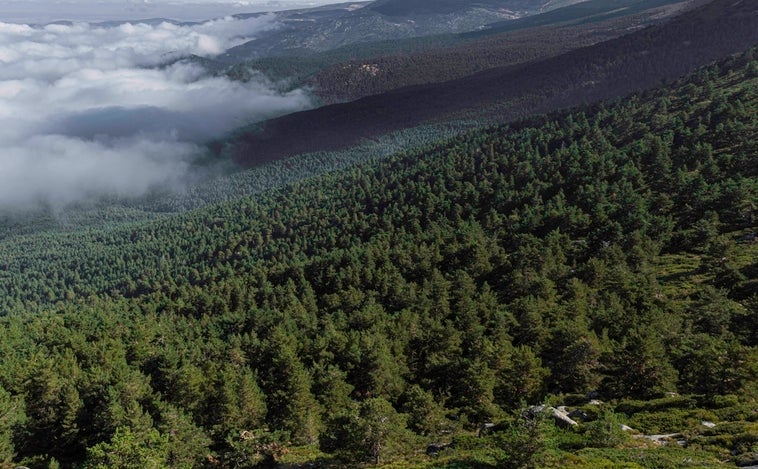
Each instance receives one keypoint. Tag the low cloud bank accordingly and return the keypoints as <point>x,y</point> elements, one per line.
<point>90,110</point>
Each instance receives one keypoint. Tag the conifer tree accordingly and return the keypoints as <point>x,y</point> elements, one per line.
<point>287,384</point>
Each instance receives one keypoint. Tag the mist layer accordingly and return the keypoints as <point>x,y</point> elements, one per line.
<point>89,110</point>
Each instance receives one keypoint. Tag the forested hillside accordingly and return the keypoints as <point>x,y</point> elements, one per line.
<point>517,41</point>
<point>337,75</point>
<point>362,315</point>
<point>633,62</point>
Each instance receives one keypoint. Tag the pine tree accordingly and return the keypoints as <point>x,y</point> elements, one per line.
<point>52,406</point>
<point>130,450</point>
<point>287,384</point>
<point>11,415</point>
<point>638,367</point>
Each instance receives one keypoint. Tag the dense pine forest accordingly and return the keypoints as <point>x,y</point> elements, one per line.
<point>409,311</point>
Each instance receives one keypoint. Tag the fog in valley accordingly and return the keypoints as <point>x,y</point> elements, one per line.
<point>89,109</point>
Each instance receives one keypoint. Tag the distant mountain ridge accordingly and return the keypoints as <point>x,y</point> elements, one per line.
<point>607,70</point>
<point>416,7</point>
<point>332,26</point>
<point>523,40</point>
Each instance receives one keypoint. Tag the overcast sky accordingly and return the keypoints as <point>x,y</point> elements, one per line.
<point>44,11</point>
<point>88,110</point>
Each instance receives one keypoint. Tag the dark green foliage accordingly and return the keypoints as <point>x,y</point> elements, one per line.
<point>425,415</point>
<point>53,405</point>
<point>130,450</point>
<point>715,365</point>
<point>639,367</point>
<point>606,431</point>
<point>739,438</point>
<point>380,429</point>
<point>187,443</point>
<point>671,420</point>
<point>523,441</point>
<point>11,416</point>
<point>370,431</point>
<point>291,406</point>
<point>521,378</point>
<point>675,402</point>
<point>668,457</point>
<point>248,449</point>
<point>235,403</point>
<point>450,284</point>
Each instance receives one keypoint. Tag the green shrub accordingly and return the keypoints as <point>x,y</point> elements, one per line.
<point>372,431</point>
<point>631,407</point>
<point>721,402</point>
<point>570,440</point>
<point>731,428</point>
<point>469,442</point>
<point>574,399</point>
<point>524,442</point>
<point>606,432</point>
<point>592,411</point>
<point>672,420</point>
<point>594,459</point>
<point>666,457</point>
<point>736,413</point>
<point>729,437</point>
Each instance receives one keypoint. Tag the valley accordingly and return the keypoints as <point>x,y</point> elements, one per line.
<point>470,235</point>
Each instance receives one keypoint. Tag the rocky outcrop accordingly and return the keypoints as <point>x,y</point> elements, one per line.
<point>560,417</point>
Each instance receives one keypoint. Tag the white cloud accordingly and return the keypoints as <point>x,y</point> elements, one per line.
<point>87,110</point>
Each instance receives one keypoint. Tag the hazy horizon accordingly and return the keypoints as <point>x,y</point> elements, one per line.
<point>48,11</point>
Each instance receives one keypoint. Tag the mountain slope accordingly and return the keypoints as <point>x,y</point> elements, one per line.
<point>604,248</point>
<point>303,32</point>
<point>636,61</point>
<point>589,11</point>
<point>308,31</point>
<point>427,7</point>
<point>300,65</point>
<point>524,42</point>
